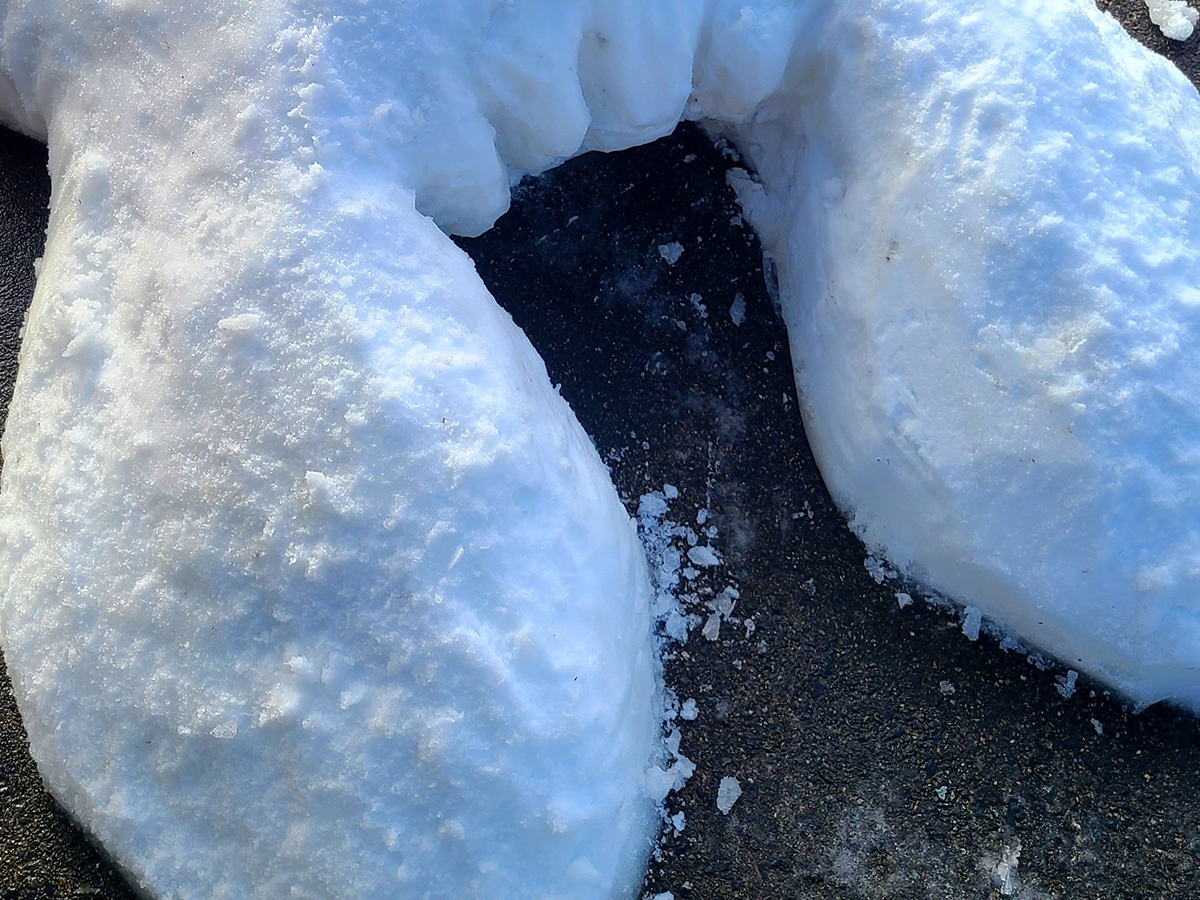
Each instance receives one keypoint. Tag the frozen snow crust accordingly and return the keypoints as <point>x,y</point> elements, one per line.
<point>310,584</point>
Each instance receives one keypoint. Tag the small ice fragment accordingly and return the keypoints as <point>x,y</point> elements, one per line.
<point>749,626</point>
<point>726,601</point>
<point>903,599</point>
<point>678,822</point>
<point>702,517</point>
<point>971,622</point>
<point>727,794</point>
<point>665,895</point>
<point>651,506</point>
<point>712,627</point>
<point>737,312</point>
<point>879,570</point>
<point>946,688</point>
<point>1004,874</point>
<point>671,252</point>
<point>688,712</point>
<point>704,556</point>
<point>941,792</point>
<point>670,491</point>
<point>1098,726</point>
<point>1066,686</point>
<point>1174,18</point>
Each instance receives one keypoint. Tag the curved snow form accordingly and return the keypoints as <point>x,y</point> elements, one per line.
<point>311,584</point>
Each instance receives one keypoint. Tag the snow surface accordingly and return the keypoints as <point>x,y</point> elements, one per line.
<point>310,583</point>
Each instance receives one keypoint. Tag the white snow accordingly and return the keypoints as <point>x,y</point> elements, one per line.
<point>1174,18</point>
<point>310,583</point>
<point>728,792</point>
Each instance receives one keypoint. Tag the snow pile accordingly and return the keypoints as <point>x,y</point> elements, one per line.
<point>312,586</point>
<point>990,270</point>
<point>1174,18</point>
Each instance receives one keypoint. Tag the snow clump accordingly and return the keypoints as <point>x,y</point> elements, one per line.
<point>1174,18</point>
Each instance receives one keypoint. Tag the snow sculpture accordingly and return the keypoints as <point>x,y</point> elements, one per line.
<point>310,585</point>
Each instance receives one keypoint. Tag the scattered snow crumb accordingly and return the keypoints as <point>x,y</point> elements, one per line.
<point>971,622</point>
<point>679,822</point>
<point>941,792</point>
<point>1066,686</point>
<point>1004,872</point>
<point>1098,726</point>
<point>665,895</point>
<point>1174,18</point>
<point>704,556</point>
<point>712,627</point>
<point>670,491</point>
<point>727,794</point>
<point>701,516</point>
<point>671,252</point>
<point>737,311</point>
<point>946,688</point>
<point>749,625</point>
<point>688,712</point>
<point>903,599</point>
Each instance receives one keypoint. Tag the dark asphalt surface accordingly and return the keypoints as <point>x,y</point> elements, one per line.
<point>880,752</point>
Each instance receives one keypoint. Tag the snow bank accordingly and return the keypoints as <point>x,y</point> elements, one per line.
<point>991,264</point>
<point>310,584</point>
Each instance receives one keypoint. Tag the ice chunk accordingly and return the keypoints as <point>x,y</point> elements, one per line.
<point>671,252</point>
<point>1066,685</point>
<point>1174,18</point>
<point>972,620</point>
<point>728,792</point>
<point>737,310</point>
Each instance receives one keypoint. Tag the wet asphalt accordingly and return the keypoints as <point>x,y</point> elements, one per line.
<point>880,752</point>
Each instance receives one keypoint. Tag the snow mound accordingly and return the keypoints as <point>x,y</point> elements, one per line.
<point>310,583</point>
<point>990,266</point>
